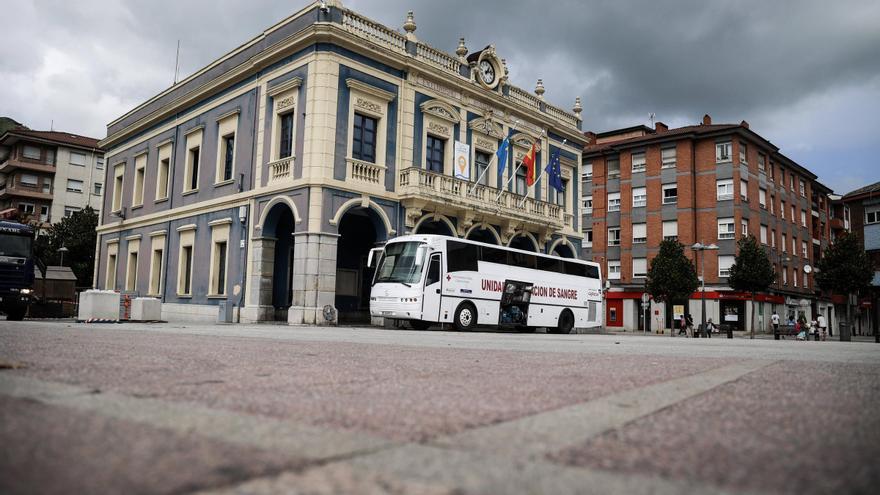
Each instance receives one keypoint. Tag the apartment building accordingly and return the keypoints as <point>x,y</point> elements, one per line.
<point>263,180</point>
<point>861,214</point>
<point>47,175</point>
<point>707,183</point>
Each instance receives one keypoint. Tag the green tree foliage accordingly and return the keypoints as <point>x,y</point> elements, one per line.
<point>672,276</point>
<point>845,267</point>
<point>76,233</point>
<point>751,271</point>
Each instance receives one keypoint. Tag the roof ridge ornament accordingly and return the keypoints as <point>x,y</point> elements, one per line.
<point>539,89</point>
<point>410,27</point>
<point>578,108</point>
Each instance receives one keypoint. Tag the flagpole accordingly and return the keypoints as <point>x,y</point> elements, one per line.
<point>495,155</point>
<point>512,176</point>
<point>538,179</point>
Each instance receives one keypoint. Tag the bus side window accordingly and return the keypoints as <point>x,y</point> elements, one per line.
<point>433,271</point>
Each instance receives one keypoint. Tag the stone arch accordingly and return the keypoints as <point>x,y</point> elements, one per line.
<point>484,226</point>
<point>364,202</point>
<point>264,216</point>
<point>563,242</point>
<point>436,217</point>
<point>535,244</point>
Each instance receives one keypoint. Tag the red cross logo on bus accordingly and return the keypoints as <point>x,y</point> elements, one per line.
<point>448,277</point>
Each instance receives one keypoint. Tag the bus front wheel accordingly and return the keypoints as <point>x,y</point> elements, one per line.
<point>565,323</point>
<point>465,317</point>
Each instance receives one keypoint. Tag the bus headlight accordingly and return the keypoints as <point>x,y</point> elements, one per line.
<point>26,291</point>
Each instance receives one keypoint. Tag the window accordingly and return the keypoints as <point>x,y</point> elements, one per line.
<point>110,281</point>
<point>725,189</point>
<point>743,153</point>
<point>670,194</point>
<point>668,157</point>
<point>763,234</point>
<point>28,180</point>
<point>364,139</point>
<point>613,167</point>
<point>744,226</point>
<point>802,188</point>
<point>70,210</point>
<point>640,267</point>
<point>463,257</point>
<point>804,249</point>
<point>47,185</point>
<point>762,198</point>
<point>520,186</point>
<point>784,242</point>
<point>793,245</point>
<point>193,178</point>
<point>220,267</point>
<point>434,154</point>
<point>560,196</point>
<point>762,160</point>
<point>803,218</point>
<point>587,172</point>
<point>98,187</point>
<point>872,216</point>
<point>770,171</point>
<point>614,201</point>
<point>99,162</point>
<point>772,202</point>
<point>723,152</point>
<point>784,276</point>
<point>614,270</point>
<point>74,185</point>
<point>640,233</point>
<point>724,264</point>
<point>77,158</point>
<point>140,167</point>
<point>726,229</point>
<point>638,162</point>
<point>26,208</point>
<point>614,236</point>
<point>44,213</point>
<point>482,161</point>
<point>31,152</point>
<point>640,197</point>
<point>164,169</point>
<point>794,278</point>
<point>791,181</point>
<point>670,230</point>
<point>744,190</point>
<point>156,261</point>
<point>806,281</point>
<point>588,205</point>
<point>285,137</point>
<point>782,209</point>
<point>132,267</point>
<point>793,211</point>
<point>588,240</point>
<point>228,155</point>
<point>773,238</point>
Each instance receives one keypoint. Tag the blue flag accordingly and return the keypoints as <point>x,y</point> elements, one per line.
<point>502,158</point>
<point>554,171</point>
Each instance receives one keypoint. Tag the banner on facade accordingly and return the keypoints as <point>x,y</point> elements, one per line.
<point>677,311</point>
<point>462,161</point>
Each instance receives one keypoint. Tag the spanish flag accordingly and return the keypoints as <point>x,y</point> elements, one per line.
<point>529,162</point>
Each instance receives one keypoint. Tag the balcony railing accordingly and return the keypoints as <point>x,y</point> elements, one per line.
<point>280,169</point>
<point>417,182</point>
<point>365,172</point>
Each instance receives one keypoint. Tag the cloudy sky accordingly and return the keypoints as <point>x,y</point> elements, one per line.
<point>805,74</point>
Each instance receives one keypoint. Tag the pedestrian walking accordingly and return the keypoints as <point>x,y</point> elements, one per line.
<point>690,324</point>
<point>775,320</point>
<point>710,327</point>
<point>682,326</point>
<point>823,325</point>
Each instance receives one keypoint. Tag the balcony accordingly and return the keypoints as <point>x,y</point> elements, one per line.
<point>23,191</point>
<point>420,188</point>
<point>280,169</point>
<point>17,162</point>
<point>837,224</point>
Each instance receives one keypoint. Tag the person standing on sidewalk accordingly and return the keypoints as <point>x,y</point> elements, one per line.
<point>775,321</point>
<point>823,325</point>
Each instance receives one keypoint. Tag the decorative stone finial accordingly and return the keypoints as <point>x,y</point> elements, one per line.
<point>539,89</point>
<point>506,71</point>
<point>578,108</point>
<point>410,26</point>
<point>461,51</point>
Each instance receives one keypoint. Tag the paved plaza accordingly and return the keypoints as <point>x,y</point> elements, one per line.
<point>165,408</point>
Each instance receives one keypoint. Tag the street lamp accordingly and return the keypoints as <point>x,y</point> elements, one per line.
<point>62,250</point>
<point>697,248</point>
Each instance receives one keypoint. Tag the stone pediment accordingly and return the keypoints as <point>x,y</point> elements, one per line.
<point>488,126</point>
<point>440,109</point>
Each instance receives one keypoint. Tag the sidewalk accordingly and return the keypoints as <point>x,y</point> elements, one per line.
<point>736,335</point>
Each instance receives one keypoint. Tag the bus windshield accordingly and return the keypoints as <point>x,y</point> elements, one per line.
<point>15,245</point>
<point>402,263</point>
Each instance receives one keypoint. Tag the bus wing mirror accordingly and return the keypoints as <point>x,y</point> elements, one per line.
<point>374,255</point>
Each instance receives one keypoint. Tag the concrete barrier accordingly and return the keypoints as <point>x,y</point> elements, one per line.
<point>146,309</point>
<point>101,305</point>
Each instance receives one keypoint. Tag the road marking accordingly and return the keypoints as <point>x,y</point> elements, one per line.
<point>308,442</point>
<point>532,437</point>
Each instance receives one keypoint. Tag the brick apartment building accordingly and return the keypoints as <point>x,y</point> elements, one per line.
<point>859,211</point>
<point>706,183</point>
<point>47,175</point>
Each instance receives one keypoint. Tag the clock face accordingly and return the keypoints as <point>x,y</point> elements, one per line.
<point>487,72</point>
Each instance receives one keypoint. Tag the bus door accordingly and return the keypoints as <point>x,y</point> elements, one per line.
<point>431,297</point>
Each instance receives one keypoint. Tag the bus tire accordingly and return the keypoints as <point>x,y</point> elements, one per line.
<point>419,324</point>
<point>465,317</point>
<point>15,314</point>
<point>565,323</point>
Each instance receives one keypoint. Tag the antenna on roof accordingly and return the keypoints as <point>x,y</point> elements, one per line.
<point>177,63</point>
<point>52,125</point>
<point>651,116</point>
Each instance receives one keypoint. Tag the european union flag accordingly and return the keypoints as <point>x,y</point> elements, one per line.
<point>554,171</point>
<point>502,159</point>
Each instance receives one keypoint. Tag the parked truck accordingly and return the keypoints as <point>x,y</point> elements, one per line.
<point>17,263</point>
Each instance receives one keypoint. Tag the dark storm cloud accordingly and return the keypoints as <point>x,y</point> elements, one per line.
<point>805,74</point>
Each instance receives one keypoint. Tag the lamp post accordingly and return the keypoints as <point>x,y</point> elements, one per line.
<point>62,250</point>
<point>698,247</point>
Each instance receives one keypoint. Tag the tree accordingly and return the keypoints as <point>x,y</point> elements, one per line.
<point>76,233</point>
<point>845,269</point>
<point>672,277</point>
<point>751,271</point>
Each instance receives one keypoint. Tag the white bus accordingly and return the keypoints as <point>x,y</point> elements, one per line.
<point>429,279</point>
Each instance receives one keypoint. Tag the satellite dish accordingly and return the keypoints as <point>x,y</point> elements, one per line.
<point>808,268</point>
